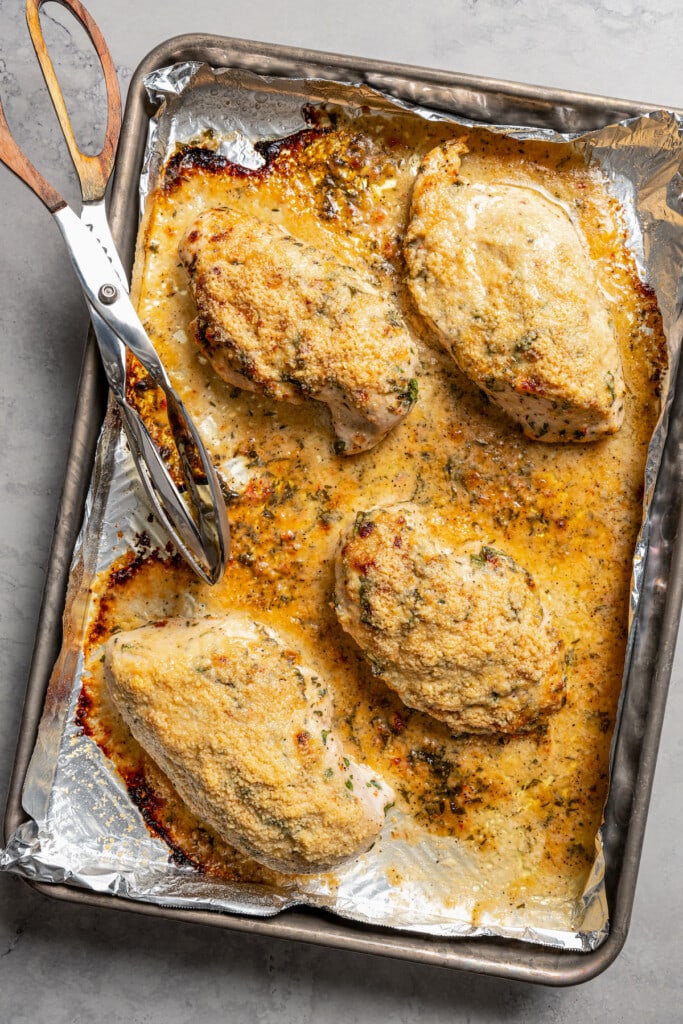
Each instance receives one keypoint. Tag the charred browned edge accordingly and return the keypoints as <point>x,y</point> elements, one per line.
<point>192,159</point>
<point>658,357</point>
<point>84,709</point>
<point>141,792</point>
<point>151,808</point>
<point>121,573</point>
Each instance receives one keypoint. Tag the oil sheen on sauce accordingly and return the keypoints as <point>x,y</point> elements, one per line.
<point>526,807</point>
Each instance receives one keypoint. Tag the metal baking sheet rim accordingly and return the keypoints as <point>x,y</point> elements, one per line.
<point>638,737</point>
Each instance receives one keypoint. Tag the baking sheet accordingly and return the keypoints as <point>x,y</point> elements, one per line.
<point>137,866</point>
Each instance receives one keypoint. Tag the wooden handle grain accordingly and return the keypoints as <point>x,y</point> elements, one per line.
<point>93,171</point>
<point>15,158</point>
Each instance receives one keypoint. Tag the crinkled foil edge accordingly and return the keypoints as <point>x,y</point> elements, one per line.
<point>82,827</point>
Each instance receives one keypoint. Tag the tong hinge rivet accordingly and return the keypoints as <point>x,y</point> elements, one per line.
<point>108,294</point>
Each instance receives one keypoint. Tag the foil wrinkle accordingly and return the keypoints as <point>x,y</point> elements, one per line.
<point>83,828</point>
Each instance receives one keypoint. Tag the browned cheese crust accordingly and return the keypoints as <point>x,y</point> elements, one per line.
<point>502,273</point>
<point>243,732</point>
<point>293,321</point>
<point>459,634</point>
<point>524,806</point>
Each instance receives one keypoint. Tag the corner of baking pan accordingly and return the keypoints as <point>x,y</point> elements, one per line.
<point>635,753</point>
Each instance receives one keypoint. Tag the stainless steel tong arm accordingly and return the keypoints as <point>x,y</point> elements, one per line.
<point>194,512</point>
<point>203,538</point>
<point>105,292</point>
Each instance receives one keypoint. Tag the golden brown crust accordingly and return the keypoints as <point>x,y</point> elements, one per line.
<point>458,634</point>
<point>284,318</point>
<point>503,275</point>
<point>525,807</point>
<point>243,732</point>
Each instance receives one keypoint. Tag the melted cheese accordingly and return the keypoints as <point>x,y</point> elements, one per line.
<point>570,515</point>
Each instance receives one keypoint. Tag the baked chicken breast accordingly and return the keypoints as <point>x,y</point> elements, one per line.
<point>242,730</point>
<point>459,634</point>
<point>286,319</point>
<point>502,274</point>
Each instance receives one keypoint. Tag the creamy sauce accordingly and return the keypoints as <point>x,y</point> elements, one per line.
<point>568,513</point>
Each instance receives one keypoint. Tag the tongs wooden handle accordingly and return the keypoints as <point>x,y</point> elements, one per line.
<point>93,171</point>
<point>15,158</point>
<point>193,511</point>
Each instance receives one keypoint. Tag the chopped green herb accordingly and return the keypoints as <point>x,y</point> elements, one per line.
<point>609,381</point>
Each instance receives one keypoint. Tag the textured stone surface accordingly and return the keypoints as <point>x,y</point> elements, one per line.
<point>62,964</point>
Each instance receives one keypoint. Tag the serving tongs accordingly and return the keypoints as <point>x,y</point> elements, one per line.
<point>193,513</point>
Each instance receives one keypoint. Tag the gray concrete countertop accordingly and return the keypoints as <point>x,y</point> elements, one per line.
<point>61,963</point>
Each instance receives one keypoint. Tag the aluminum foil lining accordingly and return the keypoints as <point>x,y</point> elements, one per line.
<point>82,828</point>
